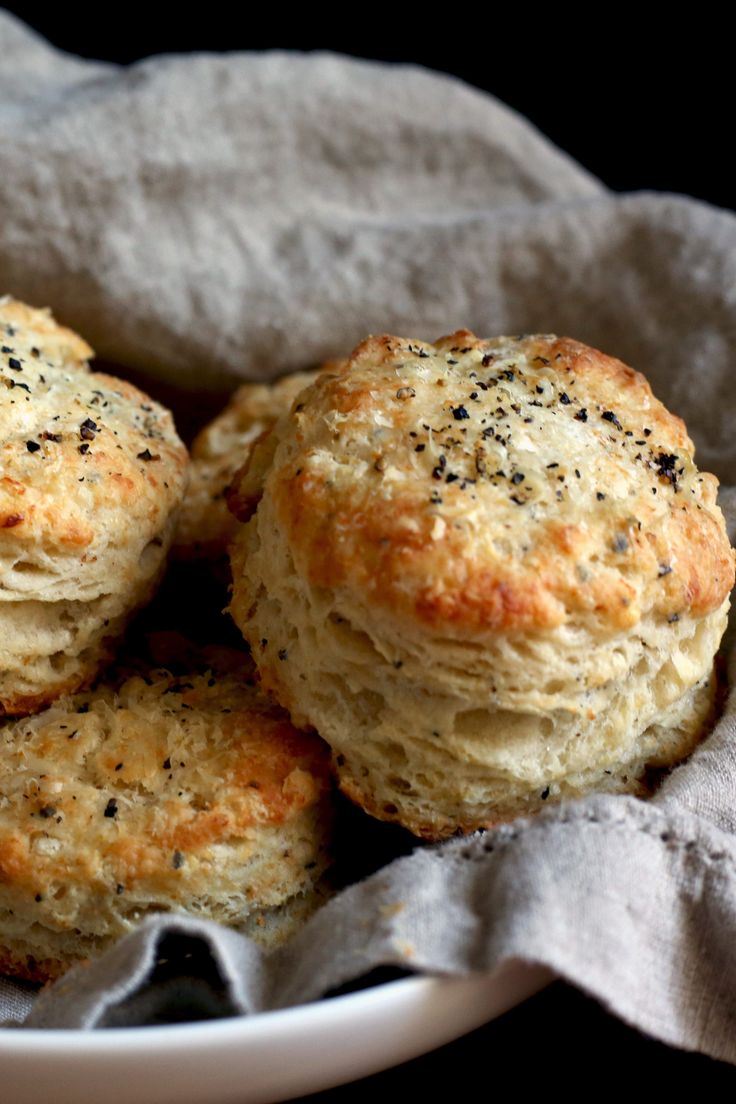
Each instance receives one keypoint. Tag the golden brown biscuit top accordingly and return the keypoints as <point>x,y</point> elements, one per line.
<point>35,331</point>
<point>517,483</point>
<point>87,462</point>
<point>135,784</point>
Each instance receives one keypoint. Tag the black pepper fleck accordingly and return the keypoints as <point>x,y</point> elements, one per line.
<point>609,416</point>
<point>665,462</point>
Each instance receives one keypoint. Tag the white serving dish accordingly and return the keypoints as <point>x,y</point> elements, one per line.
<point>268,1057</point>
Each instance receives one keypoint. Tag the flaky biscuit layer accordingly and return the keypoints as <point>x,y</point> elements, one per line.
<point>91,475</point>
<point>205,523</point>
<point>488,572</point>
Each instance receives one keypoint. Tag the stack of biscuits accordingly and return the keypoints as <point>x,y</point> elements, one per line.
<point>471,577</point>
<point>126,787</point>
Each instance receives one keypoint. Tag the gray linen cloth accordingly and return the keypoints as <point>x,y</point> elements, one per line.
<point>210,218</point>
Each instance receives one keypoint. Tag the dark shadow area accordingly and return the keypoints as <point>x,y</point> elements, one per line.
<point>559,1041</point>
<point>184,986</point>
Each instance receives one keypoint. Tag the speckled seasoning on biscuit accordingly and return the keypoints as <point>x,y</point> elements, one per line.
<point>91,476</point>
<point>488,572</point>
<point>170,794</point>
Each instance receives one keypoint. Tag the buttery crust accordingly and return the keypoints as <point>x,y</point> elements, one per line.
<point>55,342</point>
<point>168,794</point>
<point>91,475</point>
<point>205,523</point>
<point>495,569</point>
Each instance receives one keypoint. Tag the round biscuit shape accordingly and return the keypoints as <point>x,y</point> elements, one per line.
<point>169,794</point>
<point>488,572</point>
<point>91,476</point>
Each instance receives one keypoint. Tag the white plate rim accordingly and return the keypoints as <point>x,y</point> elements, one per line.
<point>360,1033</point>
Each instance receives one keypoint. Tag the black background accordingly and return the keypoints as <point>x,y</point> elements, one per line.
<point>641,110</point>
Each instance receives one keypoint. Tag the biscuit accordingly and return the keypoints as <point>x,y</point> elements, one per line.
<point>91,475</point>
<point>168,794</point>
<point>53,342</point>
<point>205,523</point>
<point>488,572</point>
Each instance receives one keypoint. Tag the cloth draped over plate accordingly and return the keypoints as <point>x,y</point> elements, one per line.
<point>207,219</point>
